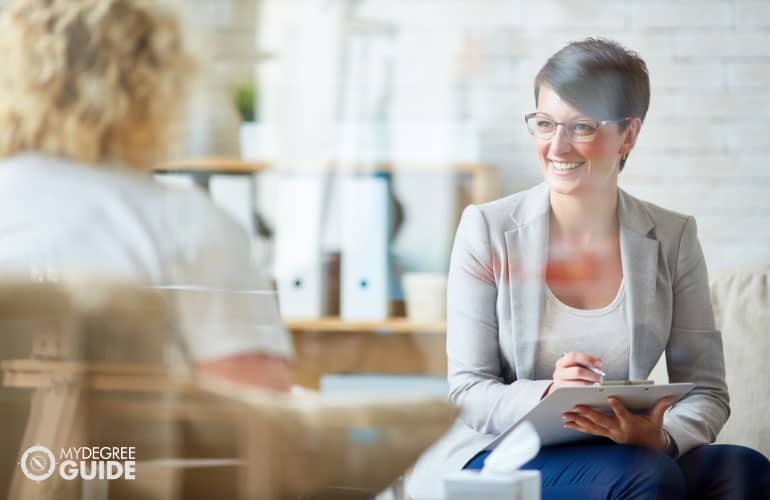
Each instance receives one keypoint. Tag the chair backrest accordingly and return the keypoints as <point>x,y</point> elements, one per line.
<point>80,363</point>
<point>35,319</point>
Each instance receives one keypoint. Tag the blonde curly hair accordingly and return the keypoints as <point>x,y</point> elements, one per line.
<point>95,81</point>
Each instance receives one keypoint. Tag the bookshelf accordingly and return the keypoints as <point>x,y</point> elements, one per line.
<point>337,347</point>
<point>332,344</point>
<point>390,326</point>
<point>484,178</point>
<point>220,165</point>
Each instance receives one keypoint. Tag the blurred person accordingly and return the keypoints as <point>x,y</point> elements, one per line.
<point>575,274</point>
<point>91,93</point>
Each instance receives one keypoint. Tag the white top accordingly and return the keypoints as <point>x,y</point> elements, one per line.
<point>600,332</point>
<point>60,218</point>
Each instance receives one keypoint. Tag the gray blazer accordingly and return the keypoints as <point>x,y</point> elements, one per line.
<point>494,310</point>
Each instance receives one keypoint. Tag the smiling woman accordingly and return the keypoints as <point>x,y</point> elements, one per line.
<point>576,279</point>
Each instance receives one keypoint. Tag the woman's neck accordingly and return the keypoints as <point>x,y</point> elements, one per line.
<point>584,219</point>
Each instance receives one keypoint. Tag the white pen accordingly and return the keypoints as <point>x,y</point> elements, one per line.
<point>595,370</point>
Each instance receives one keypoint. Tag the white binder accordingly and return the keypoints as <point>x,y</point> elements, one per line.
<point>365,232</point>
<point>298,263</point>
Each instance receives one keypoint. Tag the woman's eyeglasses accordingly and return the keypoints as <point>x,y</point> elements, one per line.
<point>581,130</point>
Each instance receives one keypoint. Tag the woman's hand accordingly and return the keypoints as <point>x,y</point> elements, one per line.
<point>623,427</point>
<point>573,369</point>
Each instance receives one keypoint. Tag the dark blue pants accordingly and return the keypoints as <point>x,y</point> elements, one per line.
<point>612,471</point>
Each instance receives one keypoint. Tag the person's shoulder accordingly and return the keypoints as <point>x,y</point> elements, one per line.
<point>663,214</point>
<point>517,208</point>
<point>665,222</point>
<point>47,175</point>
<point>191,212</point>
<point>168,210</point>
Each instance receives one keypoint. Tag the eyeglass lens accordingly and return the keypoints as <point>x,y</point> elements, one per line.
<point>545,128</point>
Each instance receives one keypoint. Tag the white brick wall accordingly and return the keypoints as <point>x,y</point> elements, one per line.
<point>752,14</point>
<point>681,14</point>
<point>705,147</point>
<point>224,34</point>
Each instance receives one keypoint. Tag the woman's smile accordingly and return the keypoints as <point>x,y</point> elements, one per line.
<point>565,166</point>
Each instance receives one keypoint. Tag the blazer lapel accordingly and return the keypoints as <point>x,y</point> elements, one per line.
<point>639,256</point>
<point>527,251</point>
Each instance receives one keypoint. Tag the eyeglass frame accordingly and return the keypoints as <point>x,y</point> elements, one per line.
<point>599,124</point>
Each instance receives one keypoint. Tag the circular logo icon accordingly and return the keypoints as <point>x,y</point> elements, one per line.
<point>38,463</point>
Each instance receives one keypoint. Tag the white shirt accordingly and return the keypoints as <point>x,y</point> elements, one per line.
<point>600,332</point>
<point>60,218</point>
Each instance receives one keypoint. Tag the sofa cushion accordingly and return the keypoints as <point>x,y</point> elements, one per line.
<point>742,310</point>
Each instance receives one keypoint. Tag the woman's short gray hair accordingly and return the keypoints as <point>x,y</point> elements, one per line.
<point>600,78</point>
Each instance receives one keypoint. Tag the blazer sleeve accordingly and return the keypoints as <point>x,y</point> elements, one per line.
<point>475,374</point>
<point>694,351</point>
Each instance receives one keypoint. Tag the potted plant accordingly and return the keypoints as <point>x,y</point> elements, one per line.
<point>254,137</point>
<point>245,100</point>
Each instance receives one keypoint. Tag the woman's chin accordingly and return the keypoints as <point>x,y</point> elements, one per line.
<point>564,184</point>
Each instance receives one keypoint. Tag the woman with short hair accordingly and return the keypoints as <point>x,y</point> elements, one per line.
<point>553,286</point>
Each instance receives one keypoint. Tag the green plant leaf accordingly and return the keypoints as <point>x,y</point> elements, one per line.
<point>245,99</point>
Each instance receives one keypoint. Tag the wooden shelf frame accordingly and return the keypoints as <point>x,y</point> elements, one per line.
<point>227,164</point>
<point>391,325</point>
<point>484,178</point>
<point>222,165</point>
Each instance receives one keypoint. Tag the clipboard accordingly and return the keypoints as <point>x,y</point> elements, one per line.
<point>546,416</point>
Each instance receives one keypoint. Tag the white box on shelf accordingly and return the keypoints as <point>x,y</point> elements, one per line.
<point>298,259</point>
<point>425,296</point>
<point>365,228</point>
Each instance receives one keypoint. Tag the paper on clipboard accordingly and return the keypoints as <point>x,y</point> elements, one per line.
<point>546,416</point>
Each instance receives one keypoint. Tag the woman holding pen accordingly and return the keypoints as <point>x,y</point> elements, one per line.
<point>574,280</point>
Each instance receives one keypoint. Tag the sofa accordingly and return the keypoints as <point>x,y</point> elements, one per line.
<point>741,302</point>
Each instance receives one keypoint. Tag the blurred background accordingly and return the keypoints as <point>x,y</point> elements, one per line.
<point>409,110</point>
<point>347,136</point>
<point>430,95</point>
<point>442,82</point>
